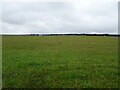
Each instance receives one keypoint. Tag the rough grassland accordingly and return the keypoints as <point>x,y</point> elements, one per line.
<point>60,61</point>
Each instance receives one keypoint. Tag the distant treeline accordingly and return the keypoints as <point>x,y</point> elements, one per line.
<point>115,35</point>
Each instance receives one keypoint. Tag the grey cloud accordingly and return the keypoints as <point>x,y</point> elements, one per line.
<point>59,17</point>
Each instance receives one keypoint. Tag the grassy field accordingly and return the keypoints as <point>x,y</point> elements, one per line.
<point>60,62</point>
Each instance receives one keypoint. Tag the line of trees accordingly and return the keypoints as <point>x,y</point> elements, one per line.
<point>116,35</point>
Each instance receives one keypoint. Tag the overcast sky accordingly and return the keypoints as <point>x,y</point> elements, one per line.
<point>87,16</point>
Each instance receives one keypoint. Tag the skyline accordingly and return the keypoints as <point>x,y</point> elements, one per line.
<point>60,17</point>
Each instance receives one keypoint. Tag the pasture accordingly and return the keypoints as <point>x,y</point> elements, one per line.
<point>60,61</point>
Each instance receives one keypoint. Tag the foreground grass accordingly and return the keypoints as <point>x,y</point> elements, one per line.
<point>60,61</point>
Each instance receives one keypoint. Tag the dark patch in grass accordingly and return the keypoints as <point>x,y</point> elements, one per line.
<point>33,64</point>
<point>36,80</point>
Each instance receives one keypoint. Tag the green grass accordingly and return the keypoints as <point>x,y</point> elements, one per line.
<point>60,62</point>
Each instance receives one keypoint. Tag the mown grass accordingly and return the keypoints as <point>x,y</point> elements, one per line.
<point>60,62</point>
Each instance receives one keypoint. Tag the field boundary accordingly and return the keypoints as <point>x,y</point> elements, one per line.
<point>113,35</point>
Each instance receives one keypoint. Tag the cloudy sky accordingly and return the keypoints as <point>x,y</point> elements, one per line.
<point>83,16</point>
